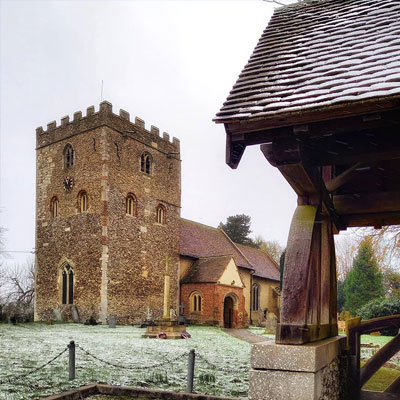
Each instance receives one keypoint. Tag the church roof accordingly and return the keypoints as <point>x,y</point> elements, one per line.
<point>198,240</point>
<point>316,54</point>
<point>264,266</point>
<point>202,241</point>
<point>207,270</point>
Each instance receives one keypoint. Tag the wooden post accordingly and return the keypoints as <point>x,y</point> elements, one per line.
<point>308,308</point>
<point>190,375</point>
<point>71,347</point>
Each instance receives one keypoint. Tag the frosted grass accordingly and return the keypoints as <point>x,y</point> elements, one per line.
<point>24,347</point>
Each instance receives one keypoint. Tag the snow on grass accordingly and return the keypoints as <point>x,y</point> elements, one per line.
<point>259,330</point>
<point>25,347</point>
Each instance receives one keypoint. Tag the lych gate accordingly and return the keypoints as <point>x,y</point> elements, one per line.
<point>321,95</point>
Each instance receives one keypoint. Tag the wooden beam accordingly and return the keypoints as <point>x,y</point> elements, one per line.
<point>346,111</point>
<point>367,203</point>
<point>376,220</point>
<point>339,180</point>
<point>366,156</point>
<point>377,360</point>
<point>234,151</point>
<point>306,180</point>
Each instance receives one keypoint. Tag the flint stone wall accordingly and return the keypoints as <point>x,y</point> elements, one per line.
<point>118,259</point>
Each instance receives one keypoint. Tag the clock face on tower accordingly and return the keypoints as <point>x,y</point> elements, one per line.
<point>68,183</point>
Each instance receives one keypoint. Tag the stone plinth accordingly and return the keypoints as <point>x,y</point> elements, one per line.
<point>171,328</point>
<point>298,372</point>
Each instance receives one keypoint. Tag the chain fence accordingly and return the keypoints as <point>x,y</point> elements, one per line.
<point>136,367</point>
<point>155,378</point>
<point>216,368</point>
<point>26,374</point>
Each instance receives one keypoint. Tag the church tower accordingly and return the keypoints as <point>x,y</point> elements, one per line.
<point>108,198</point>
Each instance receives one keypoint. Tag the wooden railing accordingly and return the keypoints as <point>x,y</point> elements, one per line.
<point>360,376</point>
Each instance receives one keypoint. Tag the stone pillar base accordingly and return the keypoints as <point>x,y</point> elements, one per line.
<point>297,372</point>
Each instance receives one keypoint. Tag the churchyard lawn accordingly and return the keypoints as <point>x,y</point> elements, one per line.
<point>221,368</point>
<point>222,361</point>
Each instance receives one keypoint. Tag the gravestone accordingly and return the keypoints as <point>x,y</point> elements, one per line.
<point>57,314</point>
<point>111,321</point>
<point>271,323</point>
<point>74,314</point>
<point>181,316</point>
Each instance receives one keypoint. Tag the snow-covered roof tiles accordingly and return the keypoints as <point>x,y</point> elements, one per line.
<point>319,53</point>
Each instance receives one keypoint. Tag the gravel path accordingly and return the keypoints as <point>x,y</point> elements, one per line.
<point>245,335</point>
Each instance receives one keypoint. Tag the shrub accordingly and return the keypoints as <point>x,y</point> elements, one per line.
<point>381,307</point>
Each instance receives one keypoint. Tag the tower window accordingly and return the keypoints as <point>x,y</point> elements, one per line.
<point>255,305</point>
<point>67,296</point>
<point>54,207</point>
<point>145,163</point>
<point>69,159</point>
<point>161,215</point>
<point>131,204</point>
<point>82,201</point>
<point>195,302</point>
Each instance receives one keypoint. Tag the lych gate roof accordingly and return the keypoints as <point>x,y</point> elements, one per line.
<point>319,53</point>
<point>203,241</point>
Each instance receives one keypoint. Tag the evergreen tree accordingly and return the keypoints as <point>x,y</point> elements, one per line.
<point>340,294</point>
<point>237,227</point>
<point>364,281</point>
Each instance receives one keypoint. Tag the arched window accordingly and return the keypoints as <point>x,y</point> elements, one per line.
<point>255,306</point>
<point>69,159</point>
<point>161,215</point>
<point>195,302</point>
<point>145,163</point>
<point>82,201</point>
<point>131,204</point>
<point>54,207</point>
<point>67,295</point>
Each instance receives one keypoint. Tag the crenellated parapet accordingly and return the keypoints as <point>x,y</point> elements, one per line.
<point>105,117</point>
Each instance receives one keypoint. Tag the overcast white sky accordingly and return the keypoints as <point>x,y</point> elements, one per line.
<point>171,63</point>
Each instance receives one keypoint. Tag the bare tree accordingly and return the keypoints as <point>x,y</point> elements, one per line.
<point>385,243</point>
<point>345,247</point>
<point>21,283</point>
<point>19,290</point>
<point>272,247</point>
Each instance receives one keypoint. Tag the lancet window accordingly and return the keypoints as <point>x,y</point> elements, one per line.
<point>161,215</point>
<point>54,207</point>
<point>145,163</point>
<point>255,305</point>
<point>67,296</point>
<point>69,156</point>
<point>131,204</point>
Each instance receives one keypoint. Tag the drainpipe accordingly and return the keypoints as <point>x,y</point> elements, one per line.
<point>251,294</point>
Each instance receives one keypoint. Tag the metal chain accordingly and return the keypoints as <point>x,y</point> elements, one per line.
<point>16,378</point>
<point>131,367</point>
<point>213,366</point>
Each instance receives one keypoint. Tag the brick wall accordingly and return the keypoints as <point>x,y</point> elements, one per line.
<point>213,296</point>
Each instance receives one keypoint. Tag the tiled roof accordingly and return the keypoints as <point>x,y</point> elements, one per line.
<point>319,53</point>
<point>198,240</point>
<point>207,270</point>
<point>264,266</point>
<point>202,241</point>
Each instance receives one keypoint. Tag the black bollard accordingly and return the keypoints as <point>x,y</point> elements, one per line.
<point>71,347</point>
<point>190,375</point>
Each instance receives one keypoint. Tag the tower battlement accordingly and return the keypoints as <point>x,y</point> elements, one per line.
<point>104,116</point>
